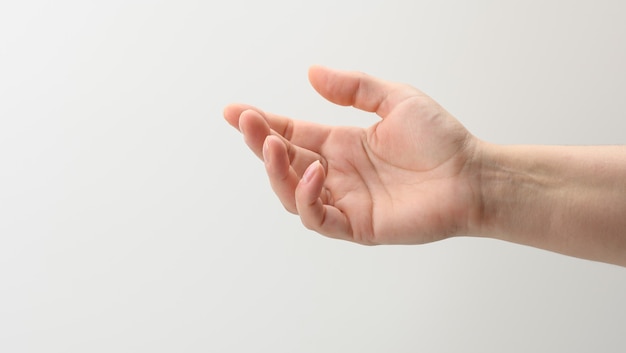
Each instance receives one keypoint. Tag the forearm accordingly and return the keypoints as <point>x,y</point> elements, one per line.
<point>570,200</point>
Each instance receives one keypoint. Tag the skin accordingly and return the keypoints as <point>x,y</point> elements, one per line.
<point>418,176</point>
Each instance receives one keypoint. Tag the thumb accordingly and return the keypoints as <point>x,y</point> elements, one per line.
<point>357,89</point>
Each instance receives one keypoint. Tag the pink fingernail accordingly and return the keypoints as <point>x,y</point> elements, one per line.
<point>308,173</point>
<point>266,155</point>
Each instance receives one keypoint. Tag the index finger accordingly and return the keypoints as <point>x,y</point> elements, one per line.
<point>301,133</point>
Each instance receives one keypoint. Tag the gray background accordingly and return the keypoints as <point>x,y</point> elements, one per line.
<point>134,219</point>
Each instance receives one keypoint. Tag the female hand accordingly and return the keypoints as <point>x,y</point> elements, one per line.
<point>410,178</point>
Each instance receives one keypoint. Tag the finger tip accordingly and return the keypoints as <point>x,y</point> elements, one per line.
<point>312,171</point>
<point>271,140</point>
<point>230,115</point>
<point>275,151</point>
<point>241,122</point>
<point>315,68</point>
<point>233,114</point>
<point>316,74</point>
<point>249,117</point>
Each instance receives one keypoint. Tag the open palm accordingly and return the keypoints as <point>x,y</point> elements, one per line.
<point>407,179</point>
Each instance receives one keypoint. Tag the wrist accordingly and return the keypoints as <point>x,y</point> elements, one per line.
<point>531,195</point>
<point>482,176</point>
<point>564,199</point>
<point>509,184</point>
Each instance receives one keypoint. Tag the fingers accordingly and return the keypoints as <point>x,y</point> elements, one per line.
<point>282,176</point>
<point>301,133</point>
<point>299,192</point>
<point>254,129</point>
<point>285,164</point>
<point>315,215</point>
<point>358,89</point>
<point>232,113</point>
<point>304,196</point>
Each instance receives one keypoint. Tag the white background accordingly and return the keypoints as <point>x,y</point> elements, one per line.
<point>134,219</point>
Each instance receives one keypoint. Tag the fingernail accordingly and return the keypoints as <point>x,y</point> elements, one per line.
<point>241,126</point>
<point>266,155</point>
<point>308,173</point>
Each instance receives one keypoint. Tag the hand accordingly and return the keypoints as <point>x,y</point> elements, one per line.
<point>410,178</point>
